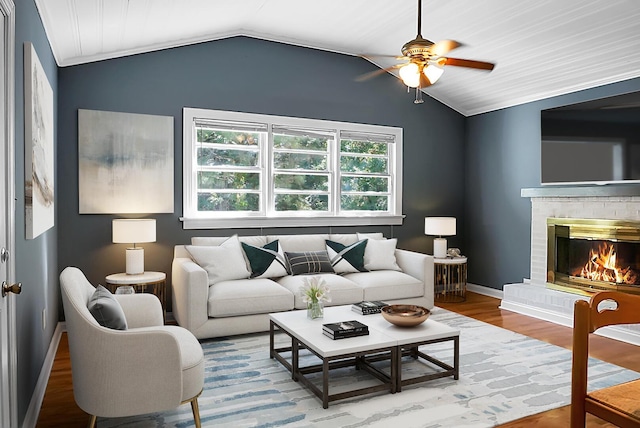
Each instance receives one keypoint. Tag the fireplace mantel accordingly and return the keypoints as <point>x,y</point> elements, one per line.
<point>589,191</point>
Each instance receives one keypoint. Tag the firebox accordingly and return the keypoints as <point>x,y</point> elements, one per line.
<point>588,255</point>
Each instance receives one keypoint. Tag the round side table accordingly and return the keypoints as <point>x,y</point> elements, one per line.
<point>155,282</point>
<point>450,279</point>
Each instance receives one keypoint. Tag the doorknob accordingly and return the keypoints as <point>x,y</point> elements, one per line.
<point>13,288</point>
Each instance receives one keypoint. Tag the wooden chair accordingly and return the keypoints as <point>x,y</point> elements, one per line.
<point>618,404</point>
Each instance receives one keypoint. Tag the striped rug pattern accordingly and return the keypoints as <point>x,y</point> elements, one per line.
<point>503,376</point>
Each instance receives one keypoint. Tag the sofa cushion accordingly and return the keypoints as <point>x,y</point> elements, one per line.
<point>298,243</point>
<point>257,241</point>
<point>341,290</point>
<point>267,261</point>
<point>306,262</point>
<point>387,285</point>
<point>347,258</point>
<point>380,254</point>
<point>222,263</point>
<point>106,309</point>
<point>374,235</point>
<point>246,297</point>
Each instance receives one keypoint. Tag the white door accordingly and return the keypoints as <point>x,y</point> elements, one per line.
<point>8,361</point>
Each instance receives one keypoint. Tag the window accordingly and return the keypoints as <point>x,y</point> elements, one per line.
<point>250,170</point>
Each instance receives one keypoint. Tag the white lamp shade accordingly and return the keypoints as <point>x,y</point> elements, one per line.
<point>440,226</point>
<point>133,231</point>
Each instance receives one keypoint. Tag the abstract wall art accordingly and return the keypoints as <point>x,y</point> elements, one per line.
<point>38,146</point>
<point>125,163</point>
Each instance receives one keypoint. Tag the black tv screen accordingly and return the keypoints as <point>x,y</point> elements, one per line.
<point>593,142</point>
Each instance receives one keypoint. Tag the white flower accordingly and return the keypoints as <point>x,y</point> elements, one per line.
<point>314,290</point>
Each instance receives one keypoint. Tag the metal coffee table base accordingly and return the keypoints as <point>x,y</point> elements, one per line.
<point>361,360</point>
<point>413,351</point>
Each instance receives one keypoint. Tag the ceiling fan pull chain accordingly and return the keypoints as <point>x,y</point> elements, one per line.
<point>418,96</point>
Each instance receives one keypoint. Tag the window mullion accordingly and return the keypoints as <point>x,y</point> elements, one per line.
<point>336,190</point>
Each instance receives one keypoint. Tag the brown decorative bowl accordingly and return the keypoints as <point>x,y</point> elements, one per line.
<point>405,315</point>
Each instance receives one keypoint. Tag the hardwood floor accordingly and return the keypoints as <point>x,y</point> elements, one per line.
<point>59,408</point>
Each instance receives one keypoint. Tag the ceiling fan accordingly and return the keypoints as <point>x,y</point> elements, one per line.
<point>426,61</point>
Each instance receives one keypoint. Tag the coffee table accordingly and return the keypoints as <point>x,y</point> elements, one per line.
<point>384,342</point>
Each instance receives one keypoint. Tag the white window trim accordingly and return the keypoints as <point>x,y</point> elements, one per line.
<point>193,220</point>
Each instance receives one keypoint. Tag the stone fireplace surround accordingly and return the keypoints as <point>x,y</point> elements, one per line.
<point>532,297</point>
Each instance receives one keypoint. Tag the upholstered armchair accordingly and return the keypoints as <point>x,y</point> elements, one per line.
<point>146,368</point>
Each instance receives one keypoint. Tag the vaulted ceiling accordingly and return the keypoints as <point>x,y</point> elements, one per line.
<point>542,48</point>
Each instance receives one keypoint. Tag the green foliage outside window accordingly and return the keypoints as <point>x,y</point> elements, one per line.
<point>216,157</point>
<point>300,143</point>
<point>362,202</point>
<point>363,164</point>
<point>364,184</point>
<point>215,136</point>
<point>300,161</point>
<point>301,182</point>
<point>298,202</point>
<point>228,201</point>
<point>228,180</point>
<point>363,147</point>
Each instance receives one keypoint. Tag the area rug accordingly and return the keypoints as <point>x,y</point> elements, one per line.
<point>503,376</point>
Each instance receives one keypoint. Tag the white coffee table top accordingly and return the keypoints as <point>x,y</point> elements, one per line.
<point>382,334</point>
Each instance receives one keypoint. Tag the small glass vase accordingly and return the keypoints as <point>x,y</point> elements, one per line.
<point>315,310</point>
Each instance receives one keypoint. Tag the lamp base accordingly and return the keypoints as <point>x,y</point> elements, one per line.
<point>440,248</point>
<point>135,261</point>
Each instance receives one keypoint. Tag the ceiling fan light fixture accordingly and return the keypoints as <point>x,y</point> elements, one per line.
<point>410,75</point>
<point>433,73</point>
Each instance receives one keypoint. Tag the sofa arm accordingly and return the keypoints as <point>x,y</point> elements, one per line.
<point>419,266</point>
<point>190,291</point>
<point>141,310</point>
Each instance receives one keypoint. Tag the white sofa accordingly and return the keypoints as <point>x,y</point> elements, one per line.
<point>228,307</point>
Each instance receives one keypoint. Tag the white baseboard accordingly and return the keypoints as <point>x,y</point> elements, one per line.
<point>31,418</point>
<point>485,291</point>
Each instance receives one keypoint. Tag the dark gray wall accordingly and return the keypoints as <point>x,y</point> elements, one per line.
<point>250,75</point>
<point>503,156</point>
<point>36,260</point>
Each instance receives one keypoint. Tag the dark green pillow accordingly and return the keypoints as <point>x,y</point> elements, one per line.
<point>267,261</point>
<point>106,309</point>
<point>346,258</point>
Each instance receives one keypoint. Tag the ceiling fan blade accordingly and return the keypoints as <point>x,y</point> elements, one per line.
<point>375,73</point>
<point>457,62</point>
<point>372,56</point>
<point>444,46</point>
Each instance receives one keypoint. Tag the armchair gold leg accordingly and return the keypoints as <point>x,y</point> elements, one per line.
<point>92,421</point>
<point>196,412</point>
<point>195,409</point>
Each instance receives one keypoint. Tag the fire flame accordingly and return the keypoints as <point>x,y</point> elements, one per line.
<point>602,266</point>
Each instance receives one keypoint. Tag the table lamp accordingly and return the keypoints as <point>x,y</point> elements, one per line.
<point>440,226</point>
<point>134,231</point>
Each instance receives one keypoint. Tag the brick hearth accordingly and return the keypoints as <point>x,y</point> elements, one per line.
<point>602,202</point>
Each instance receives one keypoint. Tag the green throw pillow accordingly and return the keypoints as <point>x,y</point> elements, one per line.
<point>347,258</point>
<point>267,261</point>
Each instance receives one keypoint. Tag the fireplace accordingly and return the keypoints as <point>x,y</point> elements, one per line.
<point>587,255</point>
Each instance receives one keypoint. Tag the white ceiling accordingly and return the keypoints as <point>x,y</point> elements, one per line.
<point>542,48</point>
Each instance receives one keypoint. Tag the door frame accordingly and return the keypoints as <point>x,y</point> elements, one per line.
<point>7,50</point>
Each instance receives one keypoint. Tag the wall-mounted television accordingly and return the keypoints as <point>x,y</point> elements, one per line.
<point>595,142</point>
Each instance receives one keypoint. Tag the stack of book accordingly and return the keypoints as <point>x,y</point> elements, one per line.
<point>368,307</point>
<point>344,329</point>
